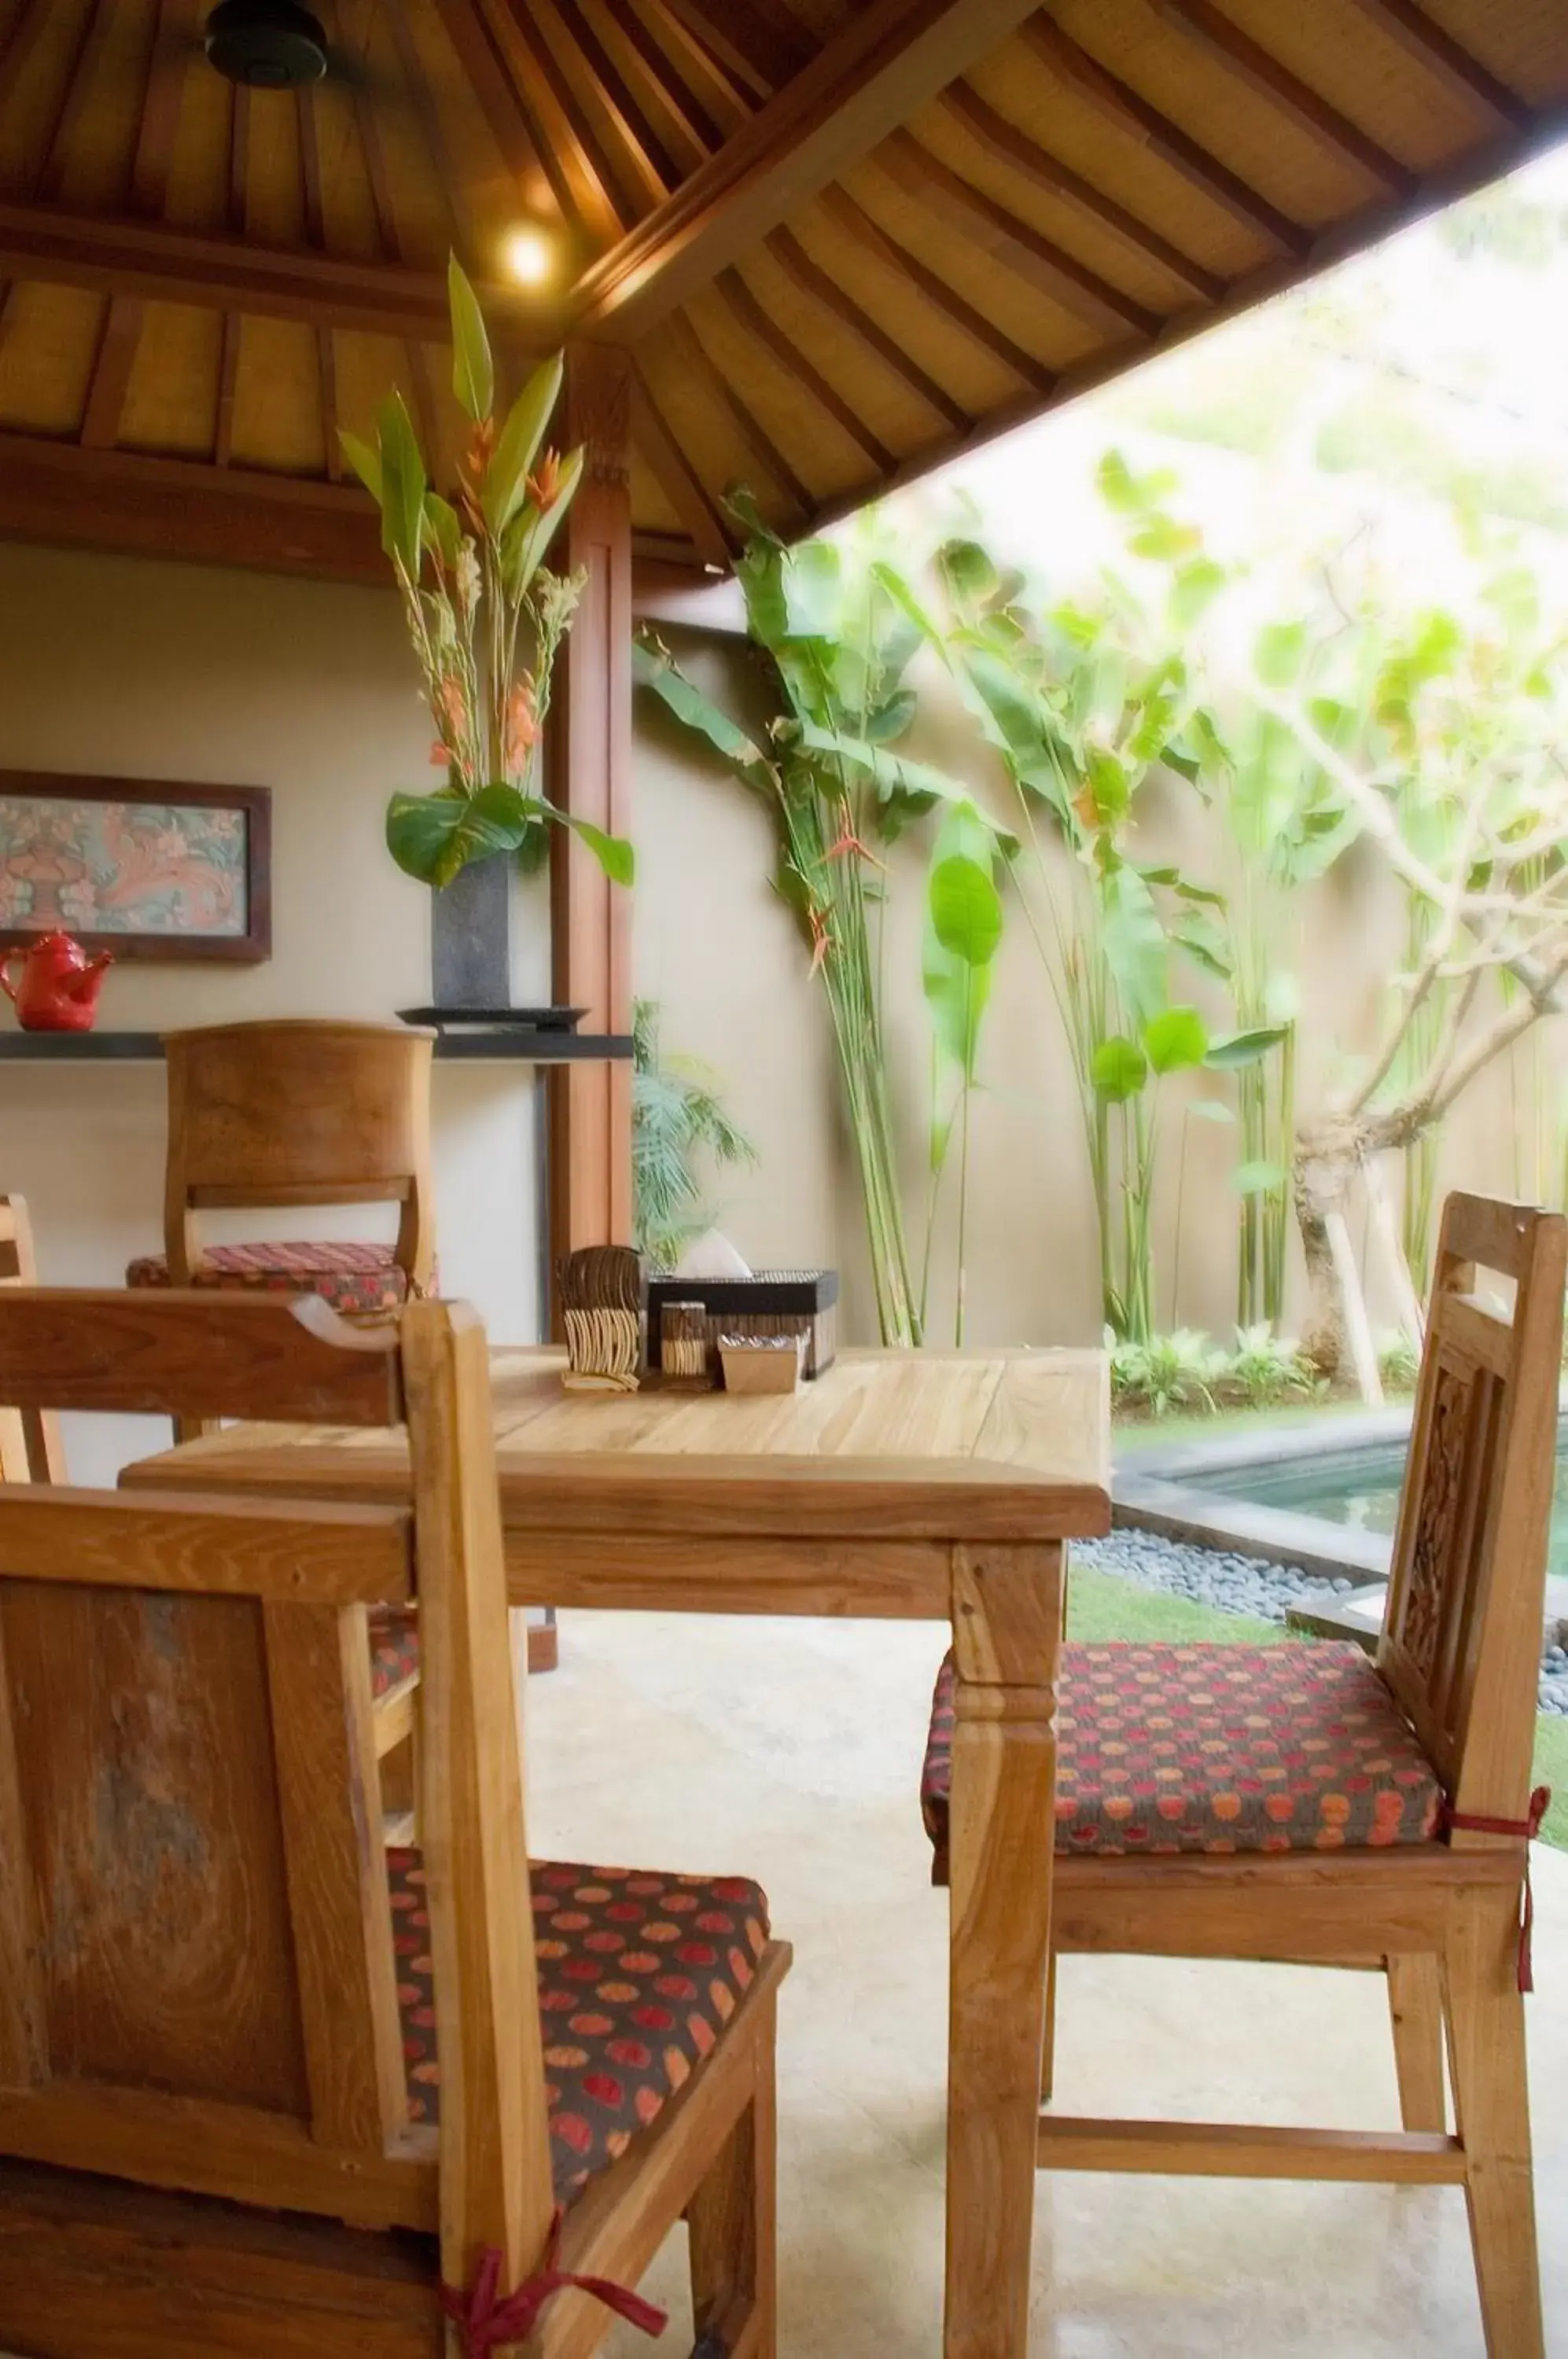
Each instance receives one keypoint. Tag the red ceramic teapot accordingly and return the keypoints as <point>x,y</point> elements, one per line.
<point>58,987</point>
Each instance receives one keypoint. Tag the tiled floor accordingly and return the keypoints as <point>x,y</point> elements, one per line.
<point>791,1751</point>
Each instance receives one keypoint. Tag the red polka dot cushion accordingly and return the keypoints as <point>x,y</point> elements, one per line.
<point>352,1278</point>
<point>394,1648</point>
<point>638,1975</point>
<point>1218,1749</point>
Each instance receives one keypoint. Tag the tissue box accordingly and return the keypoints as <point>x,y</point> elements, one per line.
<point>802,1303</point>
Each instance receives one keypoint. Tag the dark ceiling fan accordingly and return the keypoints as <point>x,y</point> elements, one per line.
<point>277,44</point>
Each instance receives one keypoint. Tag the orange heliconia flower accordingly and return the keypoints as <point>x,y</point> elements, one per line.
<point>522,724</point>
<point>440,756</point>
<point>821,940</point>
<point>543,487</point>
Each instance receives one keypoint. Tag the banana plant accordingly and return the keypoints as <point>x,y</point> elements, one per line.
<point>486,617</point>
<point>963,934</point>
<point>831,628</point>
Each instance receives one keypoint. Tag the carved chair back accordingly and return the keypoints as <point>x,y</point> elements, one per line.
<point>1461,1644</point>
<point>197,1976</point>
<point>299,1113</point>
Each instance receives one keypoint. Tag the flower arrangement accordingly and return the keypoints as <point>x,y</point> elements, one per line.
<point>486,616</point>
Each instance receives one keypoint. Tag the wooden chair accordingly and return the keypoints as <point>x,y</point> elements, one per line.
<point>299,1112</point>
<point>1383,1817</point>
<point>264,2087</point>
<point>31,1451</point>
<point>31,1446</point>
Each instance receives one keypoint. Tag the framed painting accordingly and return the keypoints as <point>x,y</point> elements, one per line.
<point>133,865</point>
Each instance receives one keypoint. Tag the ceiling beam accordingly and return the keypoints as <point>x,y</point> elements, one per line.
<point>113,255</point>
<point>1051,177</point>
<point>1133,114</point>
<point>1274,82</point>
<point>887,61</point>
<point>131,505</point>
<point>174,507</point>
<point>1461,74</point>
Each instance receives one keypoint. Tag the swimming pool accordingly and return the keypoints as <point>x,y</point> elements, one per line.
<point>1356,1486</point>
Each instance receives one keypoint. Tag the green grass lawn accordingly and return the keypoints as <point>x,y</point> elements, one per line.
<point>1100,1606</point>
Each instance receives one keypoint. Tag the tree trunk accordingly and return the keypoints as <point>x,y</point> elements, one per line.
<point>1329,1151</point>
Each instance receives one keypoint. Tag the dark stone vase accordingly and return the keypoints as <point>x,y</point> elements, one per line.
<point>471,936</point>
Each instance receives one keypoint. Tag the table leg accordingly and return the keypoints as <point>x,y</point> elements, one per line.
<point>1006,1621</point>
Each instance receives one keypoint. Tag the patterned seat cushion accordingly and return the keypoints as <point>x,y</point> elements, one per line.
<point>394,1648</point>
<point>638,1975</point>
<point>352,1278</point>
<point>1218,1749</point>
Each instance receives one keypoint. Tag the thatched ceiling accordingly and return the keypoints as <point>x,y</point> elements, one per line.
<point>842,241</point>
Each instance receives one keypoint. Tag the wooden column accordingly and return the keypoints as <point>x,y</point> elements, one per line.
<point>588,759</point>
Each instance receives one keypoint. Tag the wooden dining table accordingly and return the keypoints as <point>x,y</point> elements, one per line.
<point>929,1486</point>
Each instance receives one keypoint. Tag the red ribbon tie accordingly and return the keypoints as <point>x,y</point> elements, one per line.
<point>1467,1822</point>
<point>487,2320</point>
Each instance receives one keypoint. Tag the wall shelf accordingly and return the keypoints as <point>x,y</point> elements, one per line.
<point>516,1045</point>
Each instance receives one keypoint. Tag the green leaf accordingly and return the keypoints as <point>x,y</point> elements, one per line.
<point>1258,1179</point>
<point>365,462</point>
<point>1135,943</point>
<point>473,370</point>
<point>1279,654</point>
<point>652,669</point>
<point>1165,541</point>
<point>528,537</point>
<point>443,532</point>
<point>432,837</point>
<point>614,856</point>
<point>1194,589</point>
<point>966,911</point>
<point>1237,1048</point>
<point>1175,1038</point>
<point>1118,1069</point>
<point>894,717</point>
<point>968,575</point>
<point>514,452</point>
<point>1210,1110</point>
<point>403,484</point>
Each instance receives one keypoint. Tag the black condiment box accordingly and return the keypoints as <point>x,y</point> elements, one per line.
<point>768,1302</point>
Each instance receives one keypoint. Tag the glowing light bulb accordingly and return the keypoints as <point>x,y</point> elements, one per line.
<point>528,256</point>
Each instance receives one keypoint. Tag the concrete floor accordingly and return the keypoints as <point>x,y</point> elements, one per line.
<point>791,1751</point>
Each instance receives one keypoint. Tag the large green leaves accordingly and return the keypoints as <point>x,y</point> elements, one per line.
<point>654,669</point>
<point>1175,1040</point>
<point>961,933</point>
<point>433,837</point>
<point>518,447</point>
<point>473,370</point>
<point>403,485</point>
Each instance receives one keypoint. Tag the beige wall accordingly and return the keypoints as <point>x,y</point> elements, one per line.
<point>147,670</point>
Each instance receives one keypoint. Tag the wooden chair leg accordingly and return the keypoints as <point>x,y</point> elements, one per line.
<point>731,2225</point>
<point>1491,2100</point>
<point>1415,2012</point>
<point>1047,2045</point>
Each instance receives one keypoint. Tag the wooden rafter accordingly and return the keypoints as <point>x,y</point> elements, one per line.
<point>760,57</point>
<point>799,367</point>
<point>110,253</point>
<point>167,68</point>
<point>729,93</point>
<point>612,197</point>
<point>60,122</point>
<point>607,96</point>
<point>512,125</point>
<point>1048,267</point>
<point>885,61</point>
<point>1452,65</point>
<point>416,91</point>
<point>112,366</point>
<point>701,365</point>
<point>678,479</point>
<point>1240,54</point>
<point>953,307</point>
<point>695,130</point>
<point>1050,177</point>
<point>1122,105</point>
<point>815,282</point>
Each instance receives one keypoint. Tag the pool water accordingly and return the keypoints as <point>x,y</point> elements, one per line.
<point>1359,1486</point>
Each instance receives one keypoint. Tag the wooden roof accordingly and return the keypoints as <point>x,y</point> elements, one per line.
<point>842,241</point>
